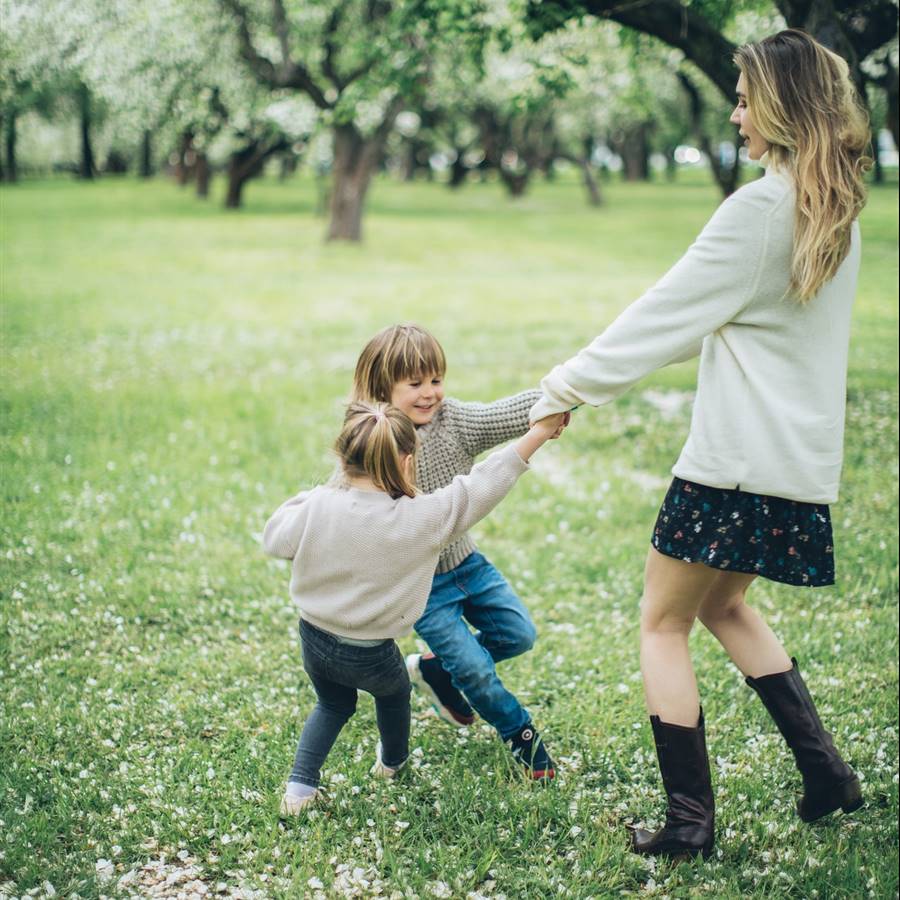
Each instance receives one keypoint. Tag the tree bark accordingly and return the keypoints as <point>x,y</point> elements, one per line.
<point>87,168</point>
<point>516,183</point>
<point>247,163</point>
<point>354,161</point>
<point>202,170</point>
<point>11,167</point>
<point>634,147</point>
<point>458,171</point>
<point>146,164</point>
<point>183,167</point>
<point>595,198</point>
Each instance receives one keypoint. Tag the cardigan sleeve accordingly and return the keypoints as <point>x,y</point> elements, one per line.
<point>704,290</point>
<point>281,536</point>
<point>450,512</point>
<point>480,426</point>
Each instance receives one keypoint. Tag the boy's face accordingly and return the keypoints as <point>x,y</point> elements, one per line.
<point>419,397</point>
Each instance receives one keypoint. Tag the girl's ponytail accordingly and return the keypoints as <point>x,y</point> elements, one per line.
<point>375,440</point>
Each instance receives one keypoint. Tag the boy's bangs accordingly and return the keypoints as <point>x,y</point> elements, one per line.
<point>419,357</point>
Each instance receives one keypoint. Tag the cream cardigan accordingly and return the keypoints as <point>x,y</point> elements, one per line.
<point>768,416</point>
<point>363,562</point>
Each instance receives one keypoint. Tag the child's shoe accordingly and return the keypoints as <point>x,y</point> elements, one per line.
<point>380,770</point>
<point>296,797</point>
<point>528,748</point>
<point>428,675</point>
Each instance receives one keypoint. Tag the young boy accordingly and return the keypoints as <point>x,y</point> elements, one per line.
<point>404,365</point>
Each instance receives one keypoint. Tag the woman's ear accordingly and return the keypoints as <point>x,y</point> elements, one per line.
<point>409,466</point>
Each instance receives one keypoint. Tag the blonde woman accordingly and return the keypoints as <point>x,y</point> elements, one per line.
<point>764,297</point>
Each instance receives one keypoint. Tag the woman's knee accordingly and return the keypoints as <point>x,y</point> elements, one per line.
<point>658,617</point>
<point>717,609</point>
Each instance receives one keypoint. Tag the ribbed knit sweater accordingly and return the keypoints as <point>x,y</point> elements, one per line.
<point>768,417</point>
<point>449,443</point>
<point>363,562</point>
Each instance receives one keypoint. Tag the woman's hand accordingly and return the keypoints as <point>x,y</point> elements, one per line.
<point>540,432</point>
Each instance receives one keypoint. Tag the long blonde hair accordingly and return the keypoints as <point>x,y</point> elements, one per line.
<point>374,441</point>
<point>394,354</point>
<point>803,103</point>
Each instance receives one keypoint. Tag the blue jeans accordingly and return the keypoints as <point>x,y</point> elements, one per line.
<point>337,670</point>
<point>477,592</point>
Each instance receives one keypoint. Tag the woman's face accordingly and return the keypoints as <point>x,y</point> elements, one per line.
<point>754,142</point>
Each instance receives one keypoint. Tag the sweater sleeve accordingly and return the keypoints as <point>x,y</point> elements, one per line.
<point>704,290</point>
<point>452,510</point>
<point>480,426</point>
<point>281,536</point>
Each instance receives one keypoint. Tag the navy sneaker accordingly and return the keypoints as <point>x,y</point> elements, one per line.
<point>528,748</point>
<point>428,675</point>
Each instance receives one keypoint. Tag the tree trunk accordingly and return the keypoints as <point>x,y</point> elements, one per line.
<point>634,148</point>
<point>516,183</point>
<point>11,167</point>
<point>458,172</point>
<point>233,196</point>
<point>146,164</point>
<point>87,167</point>
<point>247,163</point>
<point>877,168</point>
<point>202,176</point>
<point>595,198</point>
<point>354,163</point>
<point>184,164</point>
<point>893,107</point>
<point>726,178</point>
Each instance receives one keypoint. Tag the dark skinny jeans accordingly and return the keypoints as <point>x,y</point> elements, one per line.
<point>338,670</point>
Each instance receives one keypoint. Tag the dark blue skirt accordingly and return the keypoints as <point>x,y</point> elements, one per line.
<point>782,540</point>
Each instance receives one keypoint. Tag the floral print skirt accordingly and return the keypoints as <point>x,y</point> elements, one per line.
<point>782,540</point>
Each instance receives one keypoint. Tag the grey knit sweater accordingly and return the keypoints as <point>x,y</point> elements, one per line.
<point>450,442</point>
<point>363,562</point>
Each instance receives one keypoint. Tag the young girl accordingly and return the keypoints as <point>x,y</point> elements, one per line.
<point>364,550</point>
<point>764,296</point>
<point>405,365</point>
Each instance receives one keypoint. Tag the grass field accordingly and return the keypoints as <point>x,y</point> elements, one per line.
<point>171,372</point>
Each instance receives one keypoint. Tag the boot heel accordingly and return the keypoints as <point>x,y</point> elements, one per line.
<point>851,796</point>
<point>846,796</point>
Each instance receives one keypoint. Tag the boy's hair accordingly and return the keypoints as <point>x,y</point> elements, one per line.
<point>394,354</point>
<point>373,442</point>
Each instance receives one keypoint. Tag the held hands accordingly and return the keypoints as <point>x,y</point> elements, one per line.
<point>540,432</point>
<point>554,425</point>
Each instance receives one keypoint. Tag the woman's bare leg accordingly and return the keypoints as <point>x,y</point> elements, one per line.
<point>748,640</point>
<point>673,594</point>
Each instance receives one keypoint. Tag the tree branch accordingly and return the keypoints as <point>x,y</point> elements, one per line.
<point>279,20</point>
<point>290,75</point>
<point>672,22</point>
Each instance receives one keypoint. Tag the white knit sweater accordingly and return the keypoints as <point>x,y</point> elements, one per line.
<point>769,411</point>
<point>363,562</point>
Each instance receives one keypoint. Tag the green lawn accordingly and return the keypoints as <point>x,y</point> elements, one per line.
<point>172,371</point>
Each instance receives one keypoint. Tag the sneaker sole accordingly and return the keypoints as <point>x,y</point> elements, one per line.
<point>420,684</point>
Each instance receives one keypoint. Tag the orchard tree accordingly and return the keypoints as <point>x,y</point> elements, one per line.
<point>359,62</point>
<point>857,31</point>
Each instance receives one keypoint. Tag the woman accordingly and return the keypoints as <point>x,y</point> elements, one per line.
<point>764,296</point>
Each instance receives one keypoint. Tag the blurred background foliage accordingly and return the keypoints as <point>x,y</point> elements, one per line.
<point>453,90</point>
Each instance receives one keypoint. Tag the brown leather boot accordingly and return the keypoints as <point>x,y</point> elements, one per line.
<point>828,782</point>
<point>690,818</point>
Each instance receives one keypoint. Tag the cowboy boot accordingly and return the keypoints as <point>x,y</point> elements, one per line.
<point>828,782</point>
<point>690,818</point>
